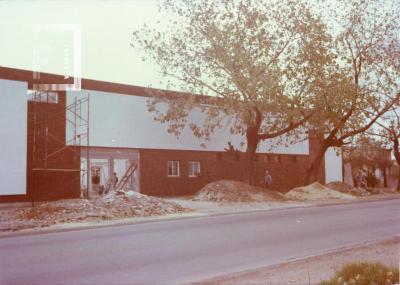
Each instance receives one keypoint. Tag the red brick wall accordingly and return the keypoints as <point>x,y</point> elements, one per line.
<point>153,171</point>
<point>288,171</point>
<point>59,182</point>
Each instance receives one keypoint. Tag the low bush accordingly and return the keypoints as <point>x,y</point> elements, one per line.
<point>363,273</point>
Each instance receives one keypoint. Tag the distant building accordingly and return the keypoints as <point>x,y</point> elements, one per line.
<point>371,159</point>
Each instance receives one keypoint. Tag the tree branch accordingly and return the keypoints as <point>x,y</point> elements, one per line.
<point>367,126</point>
<point>289,128</point>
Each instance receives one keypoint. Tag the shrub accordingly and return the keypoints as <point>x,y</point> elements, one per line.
<point>363,273</point>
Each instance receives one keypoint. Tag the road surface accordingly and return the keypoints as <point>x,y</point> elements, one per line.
<point>179,251</point>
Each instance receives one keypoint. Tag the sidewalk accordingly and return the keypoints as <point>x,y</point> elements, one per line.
<point>199,209</point>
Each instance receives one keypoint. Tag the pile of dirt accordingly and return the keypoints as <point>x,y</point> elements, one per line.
<point>359,191</point>
<point>339,186</point>
<point>226,191</point>
<point>345,188</point>
<point>109,207</point>
<point>316,191</point>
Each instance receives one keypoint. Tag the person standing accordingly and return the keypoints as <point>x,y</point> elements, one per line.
<point>96,181</point>
<point>267,180</point>
<point>114,180</point>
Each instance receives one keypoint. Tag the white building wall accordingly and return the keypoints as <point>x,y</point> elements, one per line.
<point>118,120</point>
<point>333,165</point>
<point>13,137</point>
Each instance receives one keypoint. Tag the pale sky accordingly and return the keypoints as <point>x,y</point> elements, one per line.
<point>106,28</point>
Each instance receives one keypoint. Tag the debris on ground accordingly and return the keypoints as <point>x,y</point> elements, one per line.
<point>316,191</point>
<point>226,191</point>
<point>134,204</point>
<point>346,188</point>
<point>115,205</point>
<point>380,190</point>
<point>339,186</point>
<point>359,191</point>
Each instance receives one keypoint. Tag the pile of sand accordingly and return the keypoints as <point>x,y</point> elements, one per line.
<point>109,207</point>
<point>316,191</point>
<point>345,188</point>
<point>226,191</point>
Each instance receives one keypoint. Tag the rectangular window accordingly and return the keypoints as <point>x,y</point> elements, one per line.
<point>43,96</point>
<point>194,169</point>
<point>173,168</point>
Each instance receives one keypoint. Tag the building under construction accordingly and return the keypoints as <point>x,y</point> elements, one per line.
<point>54,142</point>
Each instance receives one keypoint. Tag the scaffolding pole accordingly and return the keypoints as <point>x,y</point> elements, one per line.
<point>42,135</point>
<point>87,150</point>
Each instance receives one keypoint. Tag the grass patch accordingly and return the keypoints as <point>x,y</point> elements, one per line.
<point>364,273</point>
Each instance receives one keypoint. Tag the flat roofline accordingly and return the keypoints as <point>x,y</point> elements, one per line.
<point>88,84</point>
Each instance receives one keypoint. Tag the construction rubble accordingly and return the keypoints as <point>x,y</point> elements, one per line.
<point>316,191</point>
<point>227,191</point>
<point>115,205</point>
<point>358,191</point>
<point>218,196</point>
<point>345,188</point>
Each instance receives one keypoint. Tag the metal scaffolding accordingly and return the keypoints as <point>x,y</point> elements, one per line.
<point>76,116</point>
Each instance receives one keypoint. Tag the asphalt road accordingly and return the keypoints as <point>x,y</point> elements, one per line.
<point>178,251</point>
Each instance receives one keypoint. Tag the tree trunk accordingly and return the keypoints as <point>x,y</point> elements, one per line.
<point>313,170</point>
<point>396,151</point>
<point>250,156</point>
<point>385,184</point>
<point>252,143</point>
<point>397,156</point>
<point>398,180</point>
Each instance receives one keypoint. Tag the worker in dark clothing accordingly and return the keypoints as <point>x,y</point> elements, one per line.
<point>114,180</point>
<point>96,182</point>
